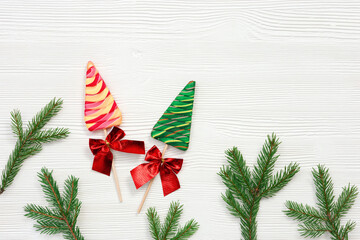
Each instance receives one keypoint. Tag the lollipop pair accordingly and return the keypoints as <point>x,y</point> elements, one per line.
<point>173,128</point>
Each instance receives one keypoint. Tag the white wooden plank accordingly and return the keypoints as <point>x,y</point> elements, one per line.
<point>261,67</point>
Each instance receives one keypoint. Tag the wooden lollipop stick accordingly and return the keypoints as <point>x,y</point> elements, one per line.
<point>150,183</point>
<point>116,179</point>
<point>145,195</point>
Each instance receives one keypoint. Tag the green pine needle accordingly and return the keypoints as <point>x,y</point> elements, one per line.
<point>324,189</point>
<point>187,231</point>
<point>154,222</point>
<point>170,229</point>
<point>16,123</point>
<point>171,220</point>
<point>316,222</point>
<point>280,180</point>
<point>312,229</point>
<point>304,213</point>
<point>30,140</point>
<point>62,215</point>
<point>345,201</point>
<point>265,163</point>
<point>246,188</point>
<point>50,135</point>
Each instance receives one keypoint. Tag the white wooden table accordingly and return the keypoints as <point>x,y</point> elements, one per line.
<point>290,67</point>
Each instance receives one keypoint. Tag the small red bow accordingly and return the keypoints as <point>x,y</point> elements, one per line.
<point>101,149</point>
<point>168,168</point>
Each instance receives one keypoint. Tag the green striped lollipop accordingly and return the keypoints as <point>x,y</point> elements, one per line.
<point>173,127</point>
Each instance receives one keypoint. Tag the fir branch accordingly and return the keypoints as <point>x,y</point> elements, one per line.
<point>280,180</point>
<point>50,188</point>
<point>50,135</point>
<point>70,194</point>
<point>316,222</point>
<point>187,231</point>
<point>246,188</point>
<point>233,206</point>
<point>60,217</point>
<point>171,220</point>
<point>170,229</point>
<point>234,184</point>
<point>16,123</point>
<point>154,222</point>
<point>30,140</point>
<point>47,228</point>
<point>305,213</point>
<point>21,152</point>
<point>312,230</point>
<point>324,189</point>
<point>345,201</point>
<point>265,162</point>
<point>249,223</point>
<point>238,165</point>
<point>344,230</point>
<point>40,213</point>
<point>44,115</point>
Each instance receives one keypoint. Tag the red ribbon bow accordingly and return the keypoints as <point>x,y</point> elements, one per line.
<point>101,149</point>
<point>168,168</point>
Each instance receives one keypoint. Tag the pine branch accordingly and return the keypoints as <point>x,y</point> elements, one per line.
<point>344,230</point>
<point>61,217</point>
<point>316,222</point>
<point>246,188</point>
<point>70,194</point>
<point>21,152</point>
<point>154,223</point>
<point>249,223</point>
<point>238,165</point>
<point>233,206</point>
<point>16,123</point>
<point>345,201</point>
<point>171,220</point>
<point>187,231</point>
<point>312,230</point>
<point>266,162</point>
<point>44,115</point>
<point>324,189</point>
<point>30,140</point>
<point>50,189</point>
<point>304,213</point>
<point>47,228</point>
<point>170,229</point>
<point>50,135</point>
<point>280,180</point>
<point>234,184</point>
<point>41,213</point>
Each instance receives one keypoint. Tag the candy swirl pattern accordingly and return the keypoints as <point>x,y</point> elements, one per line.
<point>173,127</point>
<point>101,110</point>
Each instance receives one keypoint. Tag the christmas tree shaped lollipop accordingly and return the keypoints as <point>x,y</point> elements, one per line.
<point>102,112</point>
<point>173,128</point>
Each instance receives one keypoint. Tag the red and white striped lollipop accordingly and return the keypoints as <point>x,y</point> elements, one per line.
<point>101,110</point>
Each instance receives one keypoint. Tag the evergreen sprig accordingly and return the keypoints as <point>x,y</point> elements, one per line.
<point>316,222</point>
<point>246,188</point>
<point>61,216</point>
<point>30,140</point>
<point>170,229</point>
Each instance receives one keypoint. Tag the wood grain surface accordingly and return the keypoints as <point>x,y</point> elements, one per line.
<point>290,67</point>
